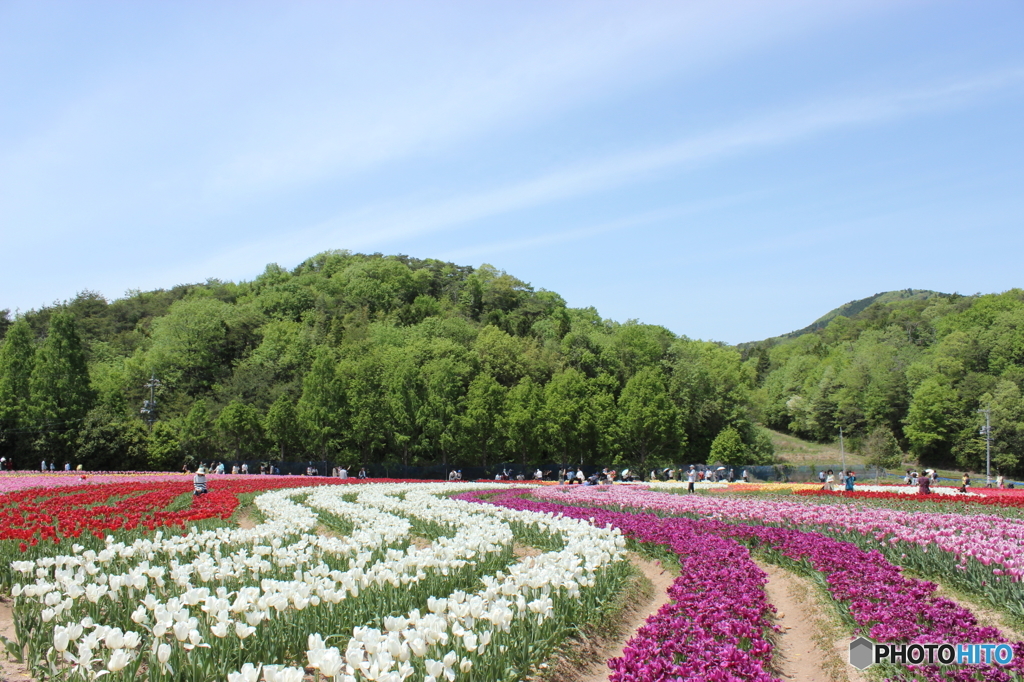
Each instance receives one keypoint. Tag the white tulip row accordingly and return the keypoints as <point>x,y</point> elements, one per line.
<point>699,485</point>
<point>913,490</point>
<point>187,605</point>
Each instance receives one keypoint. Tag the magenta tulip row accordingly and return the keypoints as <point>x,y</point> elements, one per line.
<point>715,626</point>
<point>882,602</point>
<point>991,540</point>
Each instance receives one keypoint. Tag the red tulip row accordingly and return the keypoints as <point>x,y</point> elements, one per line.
<point>1007,500</point>
<point>50,515</point>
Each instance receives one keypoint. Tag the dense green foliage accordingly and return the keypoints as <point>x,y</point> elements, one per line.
<point>363,359</point>
<point>919,368</point>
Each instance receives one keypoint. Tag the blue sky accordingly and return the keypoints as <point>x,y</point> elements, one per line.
<point>730,170</point>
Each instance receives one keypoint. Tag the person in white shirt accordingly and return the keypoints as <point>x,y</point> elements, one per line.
<point>343,474</point>
<point>691,478</point>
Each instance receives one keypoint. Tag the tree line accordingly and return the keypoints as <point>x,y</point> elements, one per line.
<point>905,378</point>
<point>367,359</point>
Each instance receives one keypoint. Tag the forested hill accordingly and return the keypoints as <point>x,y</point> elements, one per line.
<point>912,370</point>
<point>365,359</point>
<point>851,310</point>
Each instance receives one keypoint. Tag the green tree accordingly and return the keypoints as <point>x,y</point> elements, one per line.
<point>60,390</point>
<point>188,342</point>
<point>445,376</point>
<point>403,397</point>
<point>568,416</point>
<point>1007,423</point>
<point>758,440</point>
<point>239,425</point>
<point>164,447</point>
<point>522,421</point>
<point>281,425</point>
<point>197,436</point>
<point>320,406</point>
<point>931,422</point>
<point>16,362</point>
<point>648,421</point>
<point>728,449</point>
<point>112,442</point>
<point>364,405</point>
<point>882,449</point>
<point>480,424</point>
<point>710,389</point>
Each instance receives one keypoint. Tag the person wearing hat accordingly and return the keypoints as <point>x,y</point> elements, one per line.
<point>691,478</point>
<point>199,481</point>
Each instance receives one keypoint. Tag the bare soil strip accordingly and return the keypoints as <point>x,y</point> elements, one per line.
<point>812,647</point>
<point>10,671</point>
<point>246,521</point>
<point>636,614</point>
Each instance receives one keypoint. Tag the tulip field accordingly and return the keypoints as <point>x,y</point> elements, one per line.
<point>128,577</point>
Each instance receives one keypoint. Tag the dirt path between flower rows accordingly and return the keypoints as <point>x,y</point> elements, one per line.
<point>10,671</point>
<point>809,648</point>
<point>246,521</point>
<point>635,616</point>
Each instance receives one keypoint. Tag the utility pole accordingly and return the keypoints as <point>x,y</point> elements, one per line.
<point>842,450</point>
<point>148,410</point>
<point>987,432</point>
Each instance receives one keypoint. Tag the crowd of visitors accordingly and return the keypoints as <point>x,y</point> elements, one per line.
<point>827,479</point>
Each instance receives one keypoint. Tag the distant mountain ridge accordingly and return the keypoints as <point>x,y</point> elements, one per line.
<point>851,310</point>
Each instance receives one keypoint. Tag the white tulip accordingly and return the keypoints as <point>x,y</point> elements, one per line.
<point>331,663</point>
<point>249,673</point>
<point>118,660</point>
<point>434,668</point>
<point>60,638</point>
<point>114,639</point>
<point>181,630</point>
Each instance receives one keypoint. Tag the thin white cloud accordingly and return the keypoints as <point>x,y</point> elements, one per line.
<point>470,254</point>
<point>374,227</point>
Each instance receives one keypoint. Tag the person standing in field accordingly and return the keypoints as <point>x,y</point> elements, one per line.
<point>850,478</point>
<point>691,478</point>
<point>830,481</point>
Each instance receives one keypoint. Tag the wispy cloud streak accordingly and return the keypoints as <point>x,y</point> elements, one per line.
<point>377,226</point>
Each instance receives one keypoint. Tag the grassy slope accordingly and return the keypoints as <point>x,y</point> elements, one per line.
<point>793,450</point>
